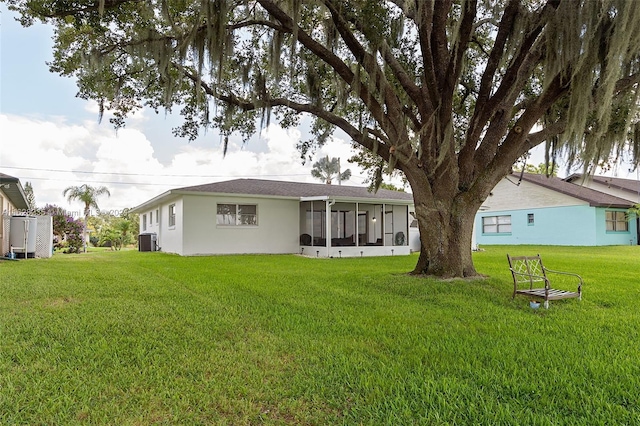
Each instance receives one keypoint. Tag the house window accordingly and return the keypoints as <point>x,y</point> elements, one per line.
<point>144,222</point>
<point>616,221</point>
<point>150,218</point>
<point>530,219</point>
<point>237,214</point>
<point>172,215</point>
<point>496,224</point>
<point>157,216</point>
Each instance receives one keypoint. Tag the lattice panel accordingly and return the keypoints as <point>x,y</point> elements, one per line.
<point>44,237</point>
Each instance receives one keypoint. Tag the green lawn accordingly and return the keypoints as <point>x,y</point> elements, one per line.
<point>128,338</point>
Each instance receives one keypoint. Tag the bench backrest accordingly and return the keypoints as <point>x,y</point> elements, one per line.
<point>527,269</point>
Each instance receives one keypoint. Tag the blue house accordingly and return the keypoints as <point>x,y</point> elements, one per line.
<point>535,209</point>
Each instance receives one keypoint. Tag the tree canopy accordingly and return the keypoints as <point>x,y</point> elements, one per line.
<point>87,195</point>
<point>450,92</point>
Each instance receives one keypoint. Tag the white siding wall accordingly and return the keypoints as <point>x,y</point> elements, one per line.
<point>627,195</point>
<point>169,238</point>
<point>508,196</point>
<point>277,230</point>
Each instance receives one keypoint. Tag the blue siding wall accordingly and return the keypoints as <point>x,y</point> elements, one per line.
<point>569,225</point>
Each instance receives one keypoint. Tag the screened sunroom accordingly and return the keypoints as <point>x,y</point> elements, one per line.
<point>332,227</point>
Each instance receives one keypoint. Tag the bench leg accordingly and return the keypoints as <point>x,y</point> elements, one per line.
<point>546,304</point>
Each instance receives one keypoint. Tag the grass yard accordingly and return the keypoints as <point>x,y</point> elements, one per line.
<point>129,338</point>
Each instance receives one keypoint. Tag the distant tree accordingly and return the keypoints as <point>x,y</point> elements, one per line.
<point>88,195</point>
<point>326,169</point>
<point>390,187</point>
<point>375,167</point>
<point>113,231</point>
<point>134,223</point>
<point>31,199</point>
<point>110,237</point>
<point>540,169</point>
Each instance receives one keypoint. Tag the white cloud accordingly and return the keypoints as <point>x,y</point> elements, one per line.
<point>53,154</point>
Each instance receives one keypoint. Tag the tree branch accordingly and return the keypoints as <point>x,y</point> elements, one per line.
<point>325,55</point>
<point>245,105</point>
<point>430,87</point>
<point>392,125</point>
<point>551,130</point>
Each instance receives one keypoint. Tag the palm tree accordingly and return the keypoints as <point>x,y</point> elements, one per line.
<point>325,169</point>
<point>88,195</point>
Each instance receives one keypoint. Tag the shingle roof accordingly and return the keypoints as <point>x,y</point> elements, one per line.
<point>272,188</point>
<point>593,197</point>
<point>294,189</point>
<point>630,185</point>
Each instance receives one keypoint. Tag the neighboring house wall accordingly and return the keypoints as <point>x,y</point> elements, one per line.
<point>276,230</point>
<point>565,225</point>
<point>622,193</point>
<point>509,195</point>
<point>542,216</point>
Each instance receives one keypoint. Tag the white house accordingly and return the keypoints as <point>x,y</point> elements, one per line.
<point>263,216</point>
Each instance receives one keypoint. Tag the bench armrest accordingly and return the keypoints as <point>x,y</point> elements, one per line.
<point>580,282</point>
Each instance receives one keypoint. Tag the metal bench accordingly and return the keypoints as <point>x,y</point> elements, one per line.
<point>530,279</point>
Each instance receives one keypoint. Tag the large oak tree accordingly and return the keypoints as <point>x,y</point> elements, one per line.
<point>451,93</point>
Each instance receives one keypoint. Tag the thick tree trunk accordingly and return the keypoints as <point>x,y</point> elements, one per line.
<point>445,220</point>
<point>446,243</point>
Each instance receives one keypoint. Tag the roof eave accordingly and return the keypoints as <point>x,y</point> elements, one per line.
<point>611,206</point>
<point>14,191</point>
<point>152,202</point>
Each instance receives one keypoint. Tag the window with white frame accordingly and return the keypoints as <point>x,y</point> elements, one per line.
<point>496,224</point>
<point>157,216</point>
<point>172,215</point>
<point>616,221</point>
<point>237,214</point>
<point>144,222</point>
<point>150,218</point>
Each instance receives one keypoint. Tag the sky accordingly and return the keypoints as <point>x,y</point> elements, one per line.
<point>53,140</point>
